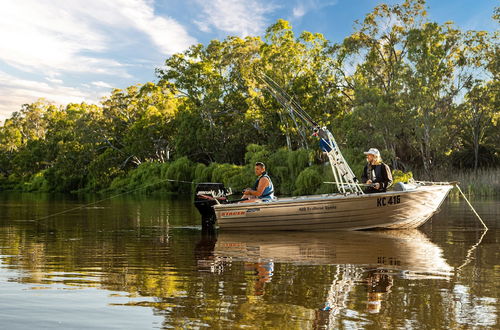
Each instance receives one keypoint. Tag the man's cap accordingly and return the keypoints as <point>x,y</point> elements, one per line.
<point>372,151</point>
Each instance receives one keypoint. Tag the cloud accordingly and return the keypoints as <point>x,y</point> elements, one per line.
<point>204,26</point>
<point>54,80</point>
<point>15,91</point>
<point>75,43</point>
<point>165,32</point>
<point>239,17</point>
<point>304,6</point>
<point>68,36</point>
<point>101,84</point>
<point>299,10</point>
<point>39,37</point>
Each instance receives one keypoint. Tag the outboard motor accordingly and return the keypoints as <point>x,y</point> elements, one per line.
<point>206,196</point>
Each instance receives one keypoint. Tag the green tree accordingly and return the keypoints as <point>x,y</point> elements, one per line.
<point>370,66</point>
<point>304,68</point>
<point>213,95</point>
<point>480,117</point>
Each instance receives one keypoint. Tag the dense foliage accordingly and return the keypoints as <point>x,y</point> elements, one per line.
<point>426,94</point>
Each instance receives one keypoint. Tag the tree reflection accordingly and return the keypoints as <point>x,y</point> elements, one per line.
<point>286,280</point>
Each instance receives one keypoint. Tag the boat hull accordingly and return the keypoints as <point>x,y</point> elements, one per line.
<point>390,210</point>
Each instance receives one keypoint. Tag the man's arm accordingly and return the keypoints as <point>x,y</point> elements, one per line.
<point>364,176</point>
<point>389,180</point>
<point>263,183</point>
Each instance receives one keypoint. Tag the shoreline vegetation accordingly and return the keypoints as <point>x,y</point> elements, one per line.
<point>425,94</point>
<point>293,173</point>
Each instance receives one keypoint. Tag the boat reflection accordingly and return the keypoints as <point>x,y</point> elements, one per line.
<point>407,251</point>
<point>368,259</point>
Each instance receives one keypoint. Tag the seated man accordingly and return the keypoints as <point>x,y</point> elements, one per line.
<point>263,188</point>
<point>376,173</point>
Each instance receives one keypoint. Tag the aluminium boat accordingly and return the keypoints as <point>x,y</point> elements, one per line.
<point>391,210</point>
<point>406,206</point>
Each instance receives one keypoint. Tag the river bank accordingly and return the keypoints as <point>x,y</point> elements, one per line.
<point>296,172</point>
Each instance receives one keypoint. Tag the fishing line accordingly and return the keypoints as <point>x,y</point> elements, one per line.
<point>472,208</point>
<point>468,258</point>
<point>108,198</point>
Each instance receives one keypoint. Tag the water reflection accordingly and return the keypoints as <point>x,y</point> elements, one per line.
<point>410,251</point>
<point>150,255</point>
<point>363,259</point>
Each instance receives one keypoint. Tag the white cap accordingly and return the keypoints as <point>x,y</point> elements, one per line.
<point>372,151</point>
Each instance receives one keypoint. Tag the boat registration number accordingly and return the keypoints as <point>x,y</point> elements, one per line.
<point>388,200</point>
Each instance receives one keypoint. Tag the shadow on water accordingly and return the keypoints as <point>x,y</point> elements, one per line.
<point>98,266</point>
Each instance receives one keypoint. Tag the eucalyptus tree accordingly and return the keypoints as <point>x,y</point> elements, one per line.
<point>302,66</point>
<point>403,77</point>
<point>478,115</point>
<point>448,71</point>
<point>134,125</point>
<point>480,118</point>
<point>24,137</point>
<point>370,67</point>
<point>151,136</point>
<point>71,146</point>
<point>10,141</point>
<point>435,78</point>
<point>213,123</point>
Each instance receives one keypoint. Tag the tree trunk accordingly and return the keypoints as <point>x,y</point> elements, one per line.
<point>426,155</point>
<point>476,150</point>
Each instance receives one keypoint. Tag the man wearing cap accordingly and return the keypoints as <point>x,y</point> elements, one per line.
<point>376,173</point>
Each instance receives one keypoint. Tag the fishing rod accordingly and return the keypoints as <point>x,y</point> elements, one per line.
<point>340,168</point>
<point>286,100</point>
<point>349,184</point>
<point>108,198</point>
<point>124,193</point>
<point>452,183</point>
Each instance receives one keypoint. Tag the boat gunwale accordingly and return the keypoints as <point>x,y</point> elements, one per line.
<point>325,198</point>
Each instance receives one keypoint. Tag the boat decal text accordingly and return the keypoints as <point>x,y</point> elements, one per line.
<point>315,208</point>
<point>384,201</point>
<point>232,213</point>
<point>388,261</point>
<point>253,210</point>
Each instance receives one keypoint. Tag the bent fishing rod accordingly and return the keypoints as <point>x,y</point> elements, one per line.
<point>286,100</point>
<point>289,103</point>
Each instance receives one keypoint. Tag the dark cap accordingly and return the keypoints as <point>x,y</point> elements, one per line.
<point>261,164</point>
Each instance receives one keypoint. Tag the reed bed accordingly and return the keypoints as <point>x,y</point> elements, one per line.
<point>480,183</point>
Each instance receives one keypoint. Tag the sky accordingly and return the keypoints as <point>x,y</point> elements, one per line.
<point>72,51</point>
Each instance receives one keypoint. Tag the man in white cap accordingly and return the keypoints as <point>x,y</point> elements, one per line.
<point>376,173</point>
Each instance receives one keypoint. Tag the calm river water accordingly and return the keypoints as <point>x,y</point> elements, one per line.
<point>143,262</point>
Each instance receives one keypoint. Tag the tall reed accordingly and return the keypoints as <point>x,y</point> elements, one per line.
<point>480,183</point>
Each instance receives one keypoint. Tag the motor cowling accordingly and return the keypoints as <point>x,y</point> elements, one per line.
<point>207,195</point>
